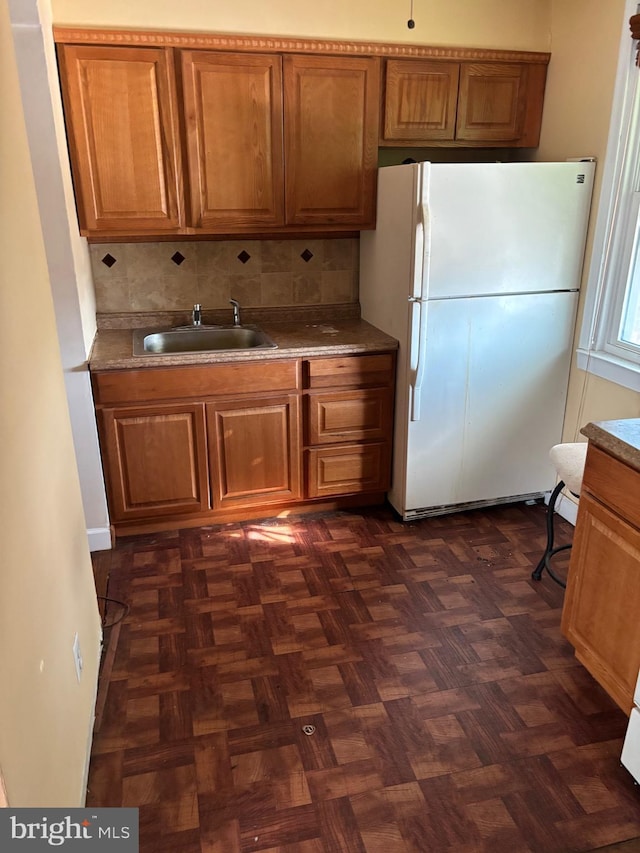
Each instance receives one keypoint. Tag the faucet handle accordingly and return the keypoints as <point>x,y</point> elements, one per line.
<point>236,311</point>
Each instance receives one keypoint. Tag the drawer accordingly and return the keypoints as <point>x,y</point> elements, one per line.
<point>347,469</point>
<point>349,416</point>
<point>200,381</point>
<point>613,483</point>
<point>355,370</point>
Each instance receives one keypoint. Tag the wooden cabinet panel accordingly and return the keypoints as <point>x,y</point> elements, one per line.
<point>347,469</point>
<point>155,460</point>
<point>123,136</point>
<point>254,451</point>
<point>342,372</point>
<point>331,139</point>
<point>491,103</point>
<point>602,603</point>
<point>613,483</point>
<point>420,100</point>
<point>349,424</point>
<point>349,416</point>
<point>201,381</point>
<point>233,115</point>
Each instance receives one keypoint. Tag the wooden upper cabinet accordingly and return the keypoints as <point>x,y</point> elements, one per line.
<point>122,128</point>
<point>491,102</point>
<point>462,103</point>
<point>331,139</point>
<point>233,117</point>
<point>274,136</point>
<point>420,100</point>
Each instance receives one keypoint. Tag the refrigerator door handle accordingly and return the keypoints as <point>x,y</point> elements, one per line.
<point>418,375</point>
<point>424,246</point>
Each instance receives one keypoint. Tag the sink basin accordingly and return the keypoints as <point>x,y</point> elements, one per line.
<point>200,339</point>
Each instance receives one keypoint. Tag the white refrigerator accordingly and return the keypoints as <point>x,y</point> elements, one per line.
<point>475,269</point>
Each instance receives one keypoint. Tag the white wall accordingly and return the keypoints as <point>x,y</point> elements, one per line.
<point>66,252</point>
<point>513,24</point>
<point>47,591</point>
<point>578,103</point>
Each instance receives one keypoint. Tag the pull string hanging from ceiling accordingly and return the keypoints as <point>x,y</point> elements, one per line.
<point>411,23</point>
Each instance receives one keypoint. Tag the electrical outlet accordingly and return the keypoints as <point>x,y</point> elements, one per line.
<point>77,656</point>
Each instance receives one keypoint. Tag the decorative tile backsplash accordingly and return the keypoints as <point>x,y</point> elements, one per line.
<point>258,273</point>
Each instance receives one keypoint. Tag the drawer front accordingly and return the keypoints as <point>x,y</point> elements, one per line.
<point>201,381</point>
<point>613,483</point>
<point>340,416</point>
<point>355,370</point>
<point>347,469</point>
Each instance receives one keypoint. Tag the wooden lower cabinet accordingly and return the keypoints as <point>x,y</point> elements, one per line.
<point>155,460</point>
<point>254,451</point>
<point>602,602</point>
<point>248,439</point>
<point>349,424</point>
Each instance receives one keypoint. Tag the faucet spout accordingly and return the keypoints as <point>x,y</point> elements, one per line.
<point>196,314</point>
<point>236,312</point>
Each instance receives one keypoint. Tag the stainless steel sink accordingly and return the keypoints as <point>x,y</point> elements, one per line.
<point>200,339</point>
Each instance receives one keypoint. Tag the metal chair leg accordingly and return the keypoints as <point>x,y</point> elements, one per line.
<point>536,574</point>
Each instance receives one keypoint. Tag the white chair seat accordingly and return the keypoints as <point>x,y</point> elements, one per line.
<point>568,460</point>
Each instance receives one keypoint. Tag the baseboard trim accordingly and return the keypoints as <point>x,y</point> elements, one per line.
<point>99,538</point>
<point>92,720</point>
<point>565,507</point>
<point>568,509</point>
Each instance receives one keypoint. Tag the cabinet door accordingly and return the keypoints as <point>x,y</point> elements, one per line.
<point>491,102</point>
<point>602,603</point>
<point>155,460</point>
<point>123,137</point>
<point>331,139</point>
<point>420,100</point>
<point>254,451</point>
<point>233,114</point>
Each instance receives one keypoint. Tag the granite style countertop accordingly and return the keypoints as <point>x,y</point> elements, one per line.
<point>620,438</point>
<point>113,348</point>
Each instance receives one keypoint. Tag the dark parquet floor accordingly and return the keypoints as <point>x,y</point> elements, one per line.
<point>448,712</point>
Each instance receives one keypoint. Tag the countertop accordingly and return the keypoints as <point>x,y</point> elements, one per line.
<point>620,438</point>
<point>113,348</point>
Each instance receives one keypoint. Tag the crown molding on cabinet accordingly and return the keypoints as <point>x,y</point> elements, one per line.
<point>277,44</point>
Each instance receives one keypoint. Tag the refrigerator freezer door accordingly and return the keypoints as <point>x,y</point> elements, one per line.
<point>506,227</point>
<point>493,401</point>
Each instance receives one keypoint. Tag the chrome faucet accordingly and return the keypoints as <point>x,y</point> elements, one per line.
<point>196,315</point>
<point>236,312</point>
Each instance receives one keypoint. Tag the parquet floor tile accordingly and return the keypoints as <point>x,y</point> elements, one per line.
<point>447,712</point>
